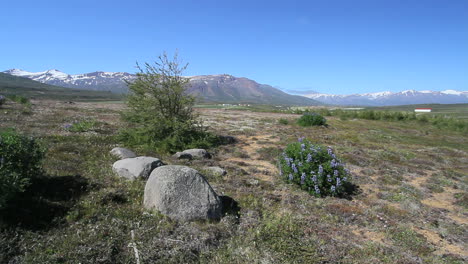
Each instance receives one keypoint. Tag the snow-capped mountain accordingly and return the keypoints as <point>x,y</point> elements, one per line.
<point>390,98</point>
<point>99,81</point>
<point>213,88</point>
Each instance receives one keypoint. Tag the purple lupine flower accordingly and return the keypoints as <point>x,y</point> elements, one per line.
<point>333,163</point>
<point>329,178</point>
<point>320,170</point>
<point>300,139</point>
<point>333,188</point>
<point>330,151</point>
<point>338,182</point>
<point>303,176</point>
<point>314,178</point>
<point>335,173</point>
<point>317,190</point>
<point>345,178</point>
<point>309,158</point>
<point>333,155</point>
<point>290,176</point>
<point>67,126</point>
<point>346,170</point>
<point>294,168</point>
<point>302,147</point>
<point>299,164</point>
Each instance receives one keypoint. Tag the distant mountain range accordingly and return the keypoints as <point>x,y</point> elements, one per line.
<point>390,98</point>
<point>229,89</point>
<point>97,81</point>
<point>15,85</point>
<point>213,88</point>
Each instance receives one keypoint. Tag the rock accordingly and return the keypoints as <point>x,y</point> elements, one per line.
<point>183,155</point>
<point>216,171</point>
<point>198,153</point>
<point>181,193</point>
<point>139,167</point>
<point>123,153</point>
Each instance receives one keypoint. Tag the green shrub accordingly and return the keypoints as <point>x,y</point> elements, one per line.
<point>160,111</point>
<point>283,121</point>
<point>81,126</point>
<point>315,169</point>
<point>20,160</point>
<point>311,119</point>
<point>19,99</point>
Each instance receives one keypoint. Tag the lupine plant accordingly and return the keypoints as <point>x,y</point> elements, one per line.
<point>314,168</point>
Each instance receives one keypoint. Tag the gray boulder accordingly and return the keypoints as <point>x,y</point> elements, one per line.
<point>198,153</point>
<point>139,167</point>
<point>123,153</point>
<point>216,171</point>
<point>181,193</point>
<point>183,155</point>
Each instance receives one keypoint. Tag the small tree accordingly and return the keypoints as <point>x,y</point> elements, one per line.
<point>161,111</point>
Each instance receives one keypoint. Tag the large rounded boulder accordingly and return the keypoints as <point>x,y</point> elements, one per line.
<point>181,193</point>
<point>134,168</point>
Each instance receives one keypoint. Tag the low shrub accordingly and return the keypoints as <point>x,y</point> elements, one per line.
<point>283,121</point>
<point>20,161</point>
<point>19,99</point>
<point>81,126</point>
<point>311,119</point>
<point>315,169</point>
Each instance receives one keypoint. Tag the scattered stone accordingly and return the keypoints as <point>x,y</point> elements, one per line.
<point>183,155</point>
<point>139,167</point>
<point>198,153</point>
<point>216,171</point>
<point>181,193</point>
<point>123,153</point>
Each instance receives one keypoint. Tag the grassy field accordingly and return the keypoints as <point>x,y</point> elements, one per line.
<point>411,206</point>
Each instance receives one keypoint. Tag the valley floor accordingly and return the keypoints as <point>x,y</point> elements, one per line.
<point>411,206</point>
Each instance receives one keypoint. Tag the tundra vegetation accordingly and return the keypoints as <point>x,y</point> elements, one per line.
<point>408,203</point>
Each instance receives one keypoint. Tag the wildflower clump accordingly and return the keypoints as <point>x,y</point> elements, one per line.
<point>314,168</point>
<point>311,119</point>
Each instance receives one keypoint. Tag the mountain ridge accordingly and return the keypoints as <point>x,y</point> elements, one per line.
<point>230,89</point>
<point>387,98</point>
<point>212,88</point>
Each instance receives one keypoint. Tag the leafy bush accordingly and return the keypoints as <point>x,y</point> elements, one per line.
<point>19,99</point>
<point>20,160</point>
<point>81,126</point>
<point>160,110</point>
<point>315,169</point>
<point>311,119</point>
<point>283,121</point>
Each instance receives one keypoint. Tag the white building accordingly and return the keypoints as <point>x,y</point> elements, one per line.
<point>423,110</point>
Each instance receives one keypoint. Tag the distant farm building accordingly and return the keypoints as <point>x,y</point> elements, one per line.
<point>423,110</point>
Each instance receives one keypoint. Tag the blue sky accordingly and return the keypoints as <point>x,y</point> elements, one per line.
<point>331,46</point>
